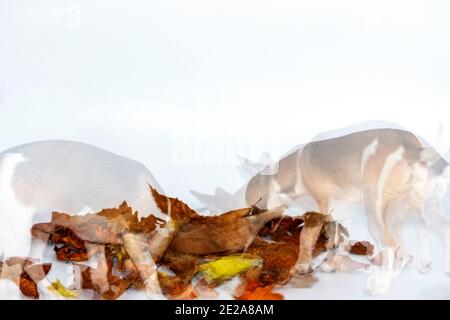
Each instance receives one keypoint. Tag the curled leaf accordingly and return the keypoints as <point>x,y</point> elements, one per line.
<point>176,209</point>
<point>28,287</point>
<point>361,248</point>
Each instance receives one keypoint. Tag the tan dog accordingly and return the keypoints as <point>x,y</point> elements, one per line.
<point>387,170</point>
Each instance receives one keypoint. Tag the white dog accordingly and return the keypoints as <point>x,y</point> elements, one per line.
<point>69,177</point>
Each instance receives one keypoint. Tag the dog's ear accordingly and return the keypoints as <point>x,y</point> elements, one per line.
<point>211,202</point>
<point>249,168</point>
<point>221,201</point>
<point>265,166</point>
<point>222,193</point>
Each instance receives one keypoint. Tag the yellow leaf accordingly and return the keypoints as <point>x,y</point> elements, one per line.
<point>227,267</point>
<point>58,287</point>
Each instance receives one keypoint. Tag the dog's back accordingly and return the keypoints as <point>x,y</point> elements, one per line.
<point>66,176</point>
<point>339,164</point>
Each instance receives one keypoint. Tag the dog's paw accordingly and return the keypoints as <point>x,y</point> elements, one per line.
<point>300,269</point>
<point>377,284</point>
<point>401,263</point>
<point>327,267</point>
<point>447,269</point>
<point>425,266</point>
<point>447,266</point>
<point>154,294</point>
<point>307,280</point>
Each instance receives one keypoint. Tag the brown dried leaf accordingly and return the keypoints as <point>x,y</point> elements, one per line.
<point>71,234</point>
<point>176,209</point>
<point>228,233</point>
<point>25,274</point>
<point>282,228</point>
<point>38,271</point>
<point>66,253</point>
<point>184,266</point>
<point>176,287</point>
<point>361,248</point>
<point>181,263</point>
<point>28,287</point>
<point>279,258</point>
<point>115,287</point>
<point>282,253</point>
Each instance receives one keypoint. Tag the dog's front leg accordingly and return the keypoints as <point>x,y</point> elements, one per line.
<point>380,283</point>
<point>138,249</point>
<point>308,239</point>
<point>444,226</point>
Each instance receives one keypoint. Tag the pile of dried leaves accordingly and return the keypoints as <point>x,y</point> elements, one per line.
<point>195,253</point>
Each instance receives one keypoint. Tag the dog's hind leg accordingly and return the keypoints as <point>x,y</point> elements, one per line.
<point>400,184</point>
<point>397,215</point>
<point>416,200</point>
<point>380,283</point>
<point>424,263</point>
<point>443,223</point>
<point>377,204</point>
<point>15,218</point>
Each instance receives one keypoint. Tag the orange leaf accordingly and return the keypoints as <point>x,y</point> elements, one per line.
<point>252,291</point>
<point>28,287</point>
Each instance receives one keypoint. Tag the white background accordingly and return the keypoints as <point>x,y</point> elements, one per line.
<point>185,86</point>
